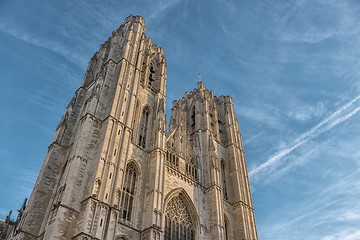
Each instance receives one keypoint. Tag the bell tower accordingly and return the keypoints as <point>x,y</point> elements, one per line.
<point>113,173</point>
<point>95,176</point>
<point>205,138</point>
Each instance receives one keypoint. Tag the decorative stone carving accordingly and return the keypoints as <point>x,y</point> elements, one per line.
<point>107,195</point>
<point>96,188</point>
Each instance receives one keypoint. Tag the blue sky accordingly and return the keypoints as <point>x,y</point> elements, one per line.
<point>292,67</point>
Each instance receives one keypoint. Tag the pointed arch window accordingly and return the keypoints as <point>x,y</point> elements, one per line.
<point>128,192</point>
<point>178,223</point>
<point>193,117</point>
<point>144,127</point>
<point>223,176</point>
<point>151,76</point>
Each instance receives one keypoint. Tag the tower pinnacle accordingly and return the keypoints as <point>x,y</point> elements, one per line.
<point>113,173</point>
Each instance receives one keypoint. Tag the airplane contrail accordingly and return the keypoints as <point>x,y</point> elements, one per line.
<point>323,126</point>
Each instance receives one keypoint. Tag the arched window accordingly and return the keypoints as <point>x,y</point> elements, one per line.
<point>193,117</point>
<point>128,192</point>
<point>151,76</point>
<point>178,224</point>
<point>143,127</point>
<point>223,176</point>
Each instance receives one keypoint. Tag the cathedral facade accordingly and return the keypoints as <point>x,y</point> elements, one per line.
<point>114,172</point>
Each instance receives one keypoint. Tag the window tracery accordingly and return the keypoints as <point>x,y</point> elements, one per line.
<point>128,193</point>
<point>178,223</point>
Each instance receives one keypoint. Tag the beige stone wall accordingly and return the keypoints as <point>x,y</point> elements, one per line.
<point>80,186</point>
<point>204,131</point>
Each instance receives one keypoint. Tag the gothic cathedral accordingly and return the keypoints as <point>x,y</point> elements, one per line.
<point>113,172</point>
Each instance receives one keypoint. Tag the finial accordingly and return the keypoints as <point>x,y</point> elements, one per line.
<point>200,84</point>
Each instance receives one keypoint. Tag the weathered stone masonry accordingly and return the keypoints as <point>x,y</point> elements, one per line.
<point>112,171</point>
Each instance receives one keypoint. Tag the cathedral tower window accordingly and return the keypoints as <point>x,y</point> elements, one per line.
<point>143,127</point>
<point>223,176</point>
<point>151,77</point>
<point>128,193</point>
<point>193,118</point>
<point>178,223</point>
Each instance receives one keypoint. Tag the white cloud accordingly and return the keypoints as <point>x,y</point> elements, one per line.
<point>335,19</point>
<point>344,235</point>
<point>264,114</point>
<point>349,216</point>
<point>333,202</point>
<point>162,8</point>
<point>305,113</point>
<point>328,123</point>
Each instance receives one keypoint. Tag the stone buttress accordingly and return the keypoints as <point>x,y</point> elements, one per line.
<point>78,191</point>
<point>113,173</point>
<point>205,138</point>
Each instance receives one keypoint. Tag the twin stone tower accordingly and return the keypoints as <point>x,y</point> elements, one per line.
<point>112,171</point>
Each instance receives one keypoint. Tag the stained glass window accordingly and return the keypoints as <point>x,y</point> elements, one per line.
<point>178,224</point>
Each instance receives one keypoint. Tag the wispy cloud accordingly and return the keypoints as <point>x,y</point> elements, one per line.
<point>262,116</point>
<point>305,113</point>
<point>335,19</point>
<point>344,235</point>
<point>342,114</point>
<point>53,46</point>
<point>326,204</point>
<point>19,185</point>
<point>162,8</point>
